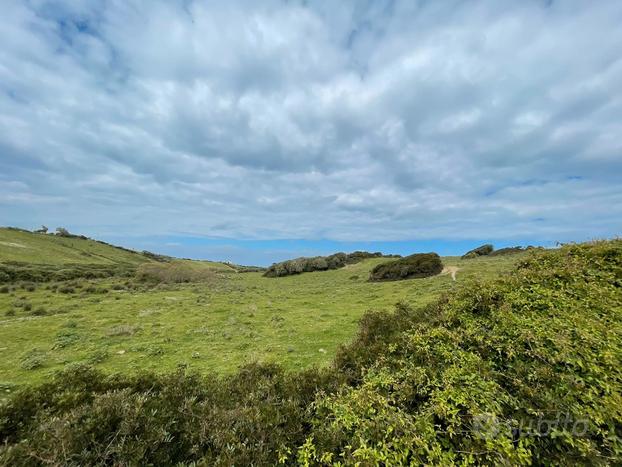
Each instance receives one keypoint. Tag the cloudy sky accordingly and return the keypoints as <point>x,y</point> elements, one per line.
<point>255,131</point>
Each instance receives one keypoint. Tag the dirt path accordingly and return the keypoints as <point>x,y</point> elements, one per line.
<point>450,270</point>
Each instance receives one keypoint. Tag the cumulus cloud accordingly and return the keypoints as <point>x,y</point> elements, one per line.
<point>390,120</point>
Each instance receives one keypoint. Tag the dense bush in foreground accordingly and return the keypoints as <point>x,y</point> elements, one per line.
<point>317,263</point>
<point>417,265</point>
<point>524,370</point>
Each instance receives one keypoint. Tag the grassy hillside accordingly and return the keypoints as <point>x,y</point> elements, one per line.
<point>26,256</point>
<point>520,369</point>
<point>27,247</point>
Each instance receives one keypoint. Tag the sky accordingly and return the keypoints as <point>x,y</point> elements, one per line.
<point>255,131</point>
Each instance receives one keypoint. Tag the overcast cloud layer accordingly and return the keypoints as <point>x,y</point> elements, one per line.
<point>339,120</point>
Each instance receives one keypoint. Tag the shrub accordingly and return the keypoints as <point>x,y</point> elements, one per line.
<point>317,263</point>
<point>66,290</point>
<point>39,312</point>
<point>32,360</point>
<point>10,312</point>
<point>4,289</point>
<point>98,356</point>
<point>154,351</point>
<point>413,266</point>
<point>497,374</point>
<point>65,338</point>
<point>508,251</point>
<point>479,251</point>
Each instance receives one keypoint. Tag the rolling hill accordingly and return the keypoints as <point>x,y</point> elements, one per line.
<point>27,247</point>
<point>38,257</point>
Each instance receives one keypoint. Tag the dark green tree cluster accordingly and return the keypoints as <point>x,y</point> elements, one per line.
<point>317,263</point>
<point>414,266</point>
<point>479,251</point>
<point>525,370</point>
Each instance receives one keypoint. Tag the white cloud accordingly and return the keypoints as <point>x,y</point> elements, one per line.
<point>391,120</point>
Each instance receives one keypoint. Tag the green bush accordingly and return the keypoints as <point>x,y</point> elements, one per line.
<point>479,251</point>
<point>414,266</point>
<point>509,251</point>
<point>28,286</point>
<point>98,356</point>
<point>251,418</point>
<point>39,312</point>
<point>317,263</point>
<point>522,371</point>
<point>31,361</point>
<point>65,338</point>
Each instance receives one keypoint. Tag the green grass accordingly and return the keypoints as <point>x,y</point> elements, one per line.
<point>26,247</point>
<point>228,320</point>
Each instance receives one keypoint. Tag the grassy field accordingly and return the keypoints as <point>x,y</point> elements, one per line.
<point>220,323</point>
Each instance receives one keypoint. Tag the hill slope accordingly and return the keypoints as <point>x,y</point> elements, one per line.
<point>26,247</point>
<point>27,256</point>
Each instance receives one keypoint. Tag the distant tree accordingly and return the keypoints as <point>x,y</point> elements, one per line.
<point>42,230</point>
<point>317,263</point>
<point>483,250</point>
<point>62,232</point>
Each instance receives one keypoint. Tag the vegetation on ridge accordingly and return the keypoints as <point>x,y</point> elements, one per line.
<point>318,263</point>
<point>489,250</point>
<point>479,251</point>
